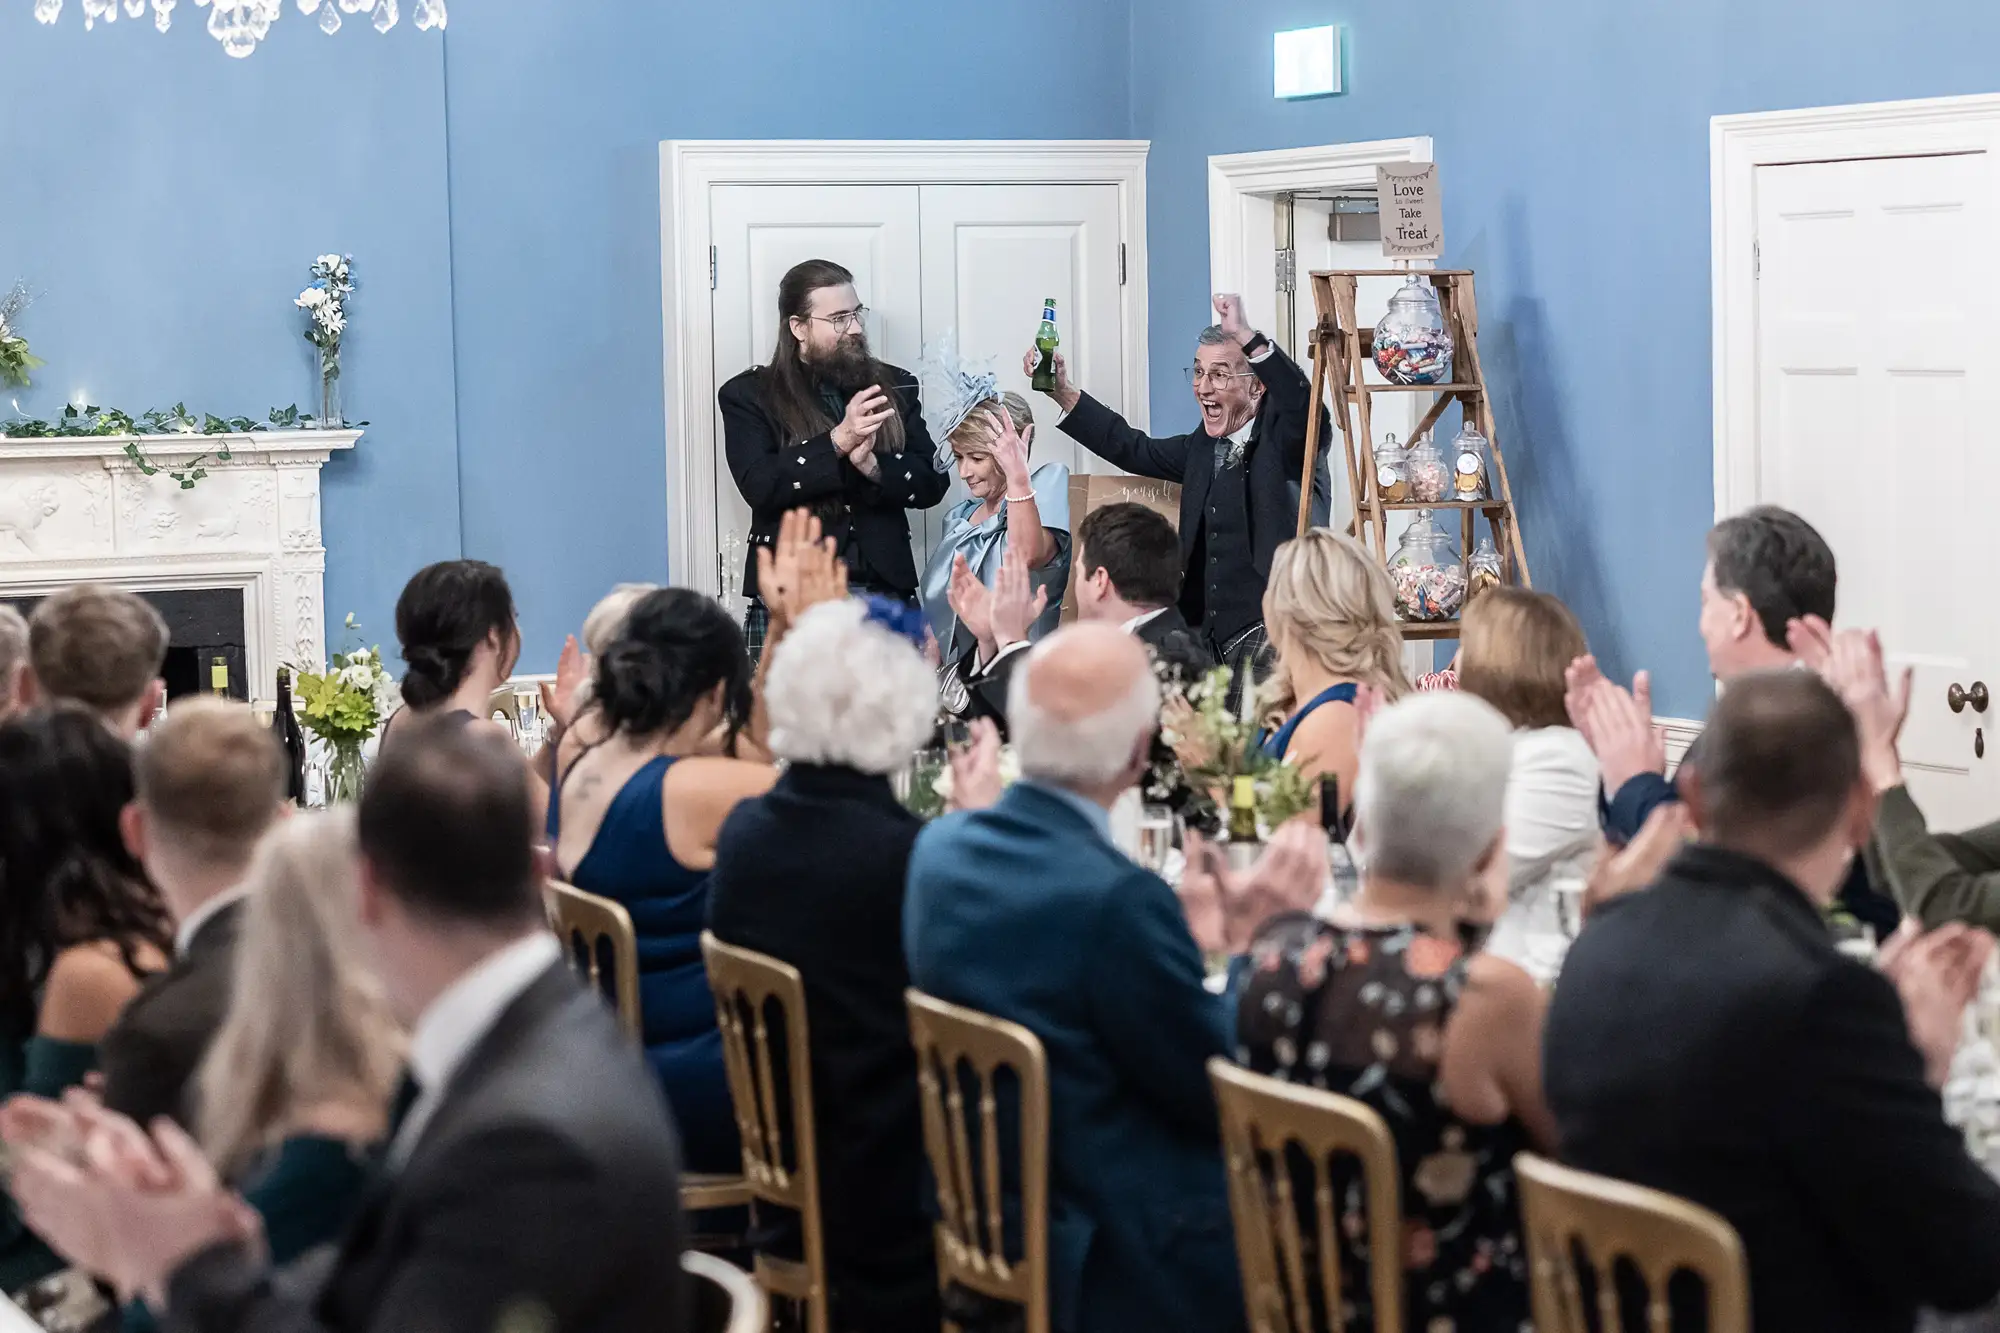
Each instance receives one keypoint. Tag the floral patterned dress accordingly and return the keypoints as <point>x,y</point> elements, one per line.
<point>1362,1013</point>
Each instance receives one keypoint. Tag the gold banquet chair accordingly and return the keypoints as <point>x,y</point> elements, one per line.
<point>1568,1213</point>
<point>585,924</point>
<point>971,1241</point>
<point>1263,1120</point>
<point>745,985</point>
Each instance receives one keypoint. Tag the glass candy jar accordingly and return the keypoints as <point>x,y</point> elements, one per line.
<point>1411,344</point>
<point>1392,471</point>
<point>1468,464</point>
<point>1426,572</point>
<point>1483,571</point>
<point>1430,475</point>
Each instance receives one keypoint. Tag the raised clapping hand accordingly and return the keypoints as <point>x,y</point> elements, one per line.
<point>1014,609</point>
<point>1225,909</point>
<point>1627,869</point>
<point>1616,723</point>
<point>1065,394</point>
<point>854,438</point>
<point>799,570</point>
<point>1852,664</point>
<point>1937,974</point>
<point>972,603</point>
<point>559,695</point>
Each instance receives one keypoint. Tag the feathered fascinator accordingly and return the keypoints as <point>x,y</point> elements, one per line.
<point>951,391</point>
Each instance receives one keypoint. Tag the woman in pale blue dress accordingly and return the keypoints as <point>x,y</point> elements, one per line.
<point>985,435</point>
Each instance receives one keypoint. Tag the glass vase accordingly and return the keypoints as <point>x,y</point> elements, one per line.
<point>329,389</point>
<point>345,770</point>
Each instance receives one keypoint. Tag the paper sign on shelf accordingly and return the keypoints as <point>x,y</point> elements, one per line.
<point>1411,212</point>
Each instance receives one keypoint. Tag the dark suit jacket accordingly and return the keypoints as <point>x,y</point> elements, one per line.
<point>777,473</point>
<point>545,1188</point>
<point>150,1055</point>
<point>1025,911</point>
<point>812,874</point>
<point>1275,457</point>
<point>1937,877</point>
<point>1166,636</point>
<point>1707,1039</point>
<point>1864,895</point>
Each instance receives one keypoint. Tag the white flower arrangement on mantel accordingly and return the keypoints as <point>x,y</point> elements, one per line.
<point>325,304</point>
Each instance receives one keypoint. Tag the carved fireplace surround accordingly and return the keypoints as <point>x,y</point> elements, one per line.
<point>78,509</point>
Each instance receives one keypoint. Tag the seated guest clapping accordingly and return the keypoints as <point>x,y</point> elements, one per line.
<point>210,781</point>
<point>1390,1003</point>
<point>80,925</point>
<point>1128,564</point>
<point>99,647</point>
<point>531,1174</point>
<point>1708,1039</point>
<point>812,872</point>
<point>1028,911</point>
<point>293,1096</point>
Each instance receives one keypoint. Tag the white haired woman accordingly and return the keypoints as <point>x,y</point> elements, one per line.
<point>812,873</point>
<point>1388,1003</point>
<point>293,1096</point>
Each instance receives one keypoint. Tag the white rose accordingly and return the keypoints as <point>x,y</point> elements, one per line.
<point>311,298</point>
<point>327,261</point>
<point>357,678</point>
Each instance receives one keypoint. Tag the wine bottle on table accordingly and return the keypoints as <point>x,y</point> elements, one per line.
<point>1344,875</point>
<point>218,677</point>
<point>285,725</point>
<point>1046,342</point>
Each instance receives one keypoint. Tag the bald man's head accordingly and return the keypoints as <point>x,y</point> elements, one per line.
<point>1083,709</point>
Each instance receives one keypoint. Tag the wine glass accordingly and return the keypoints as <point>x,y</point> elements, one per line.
<point>1156,838</point>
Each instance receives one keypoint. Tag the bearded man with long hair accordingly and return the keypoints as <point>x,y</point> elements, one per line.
<point>828,427</point>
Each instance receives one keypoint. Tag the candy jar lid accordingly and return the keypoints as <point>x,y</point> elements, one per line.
<point>1468,437</point>
<point>1426,537</point>
<point>1388,445</point>
<point>1417,291</point>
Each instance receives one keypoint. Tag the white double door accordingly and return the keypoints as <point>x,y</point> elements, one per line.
<point>1878,381</point>
<point>927,259</point>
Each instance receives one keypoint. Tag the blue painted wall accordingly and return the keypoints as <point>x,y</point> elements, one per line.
<point>557,112</point>
<point>1595,320</point>
<point>500,185</point>
<point>168,201</point>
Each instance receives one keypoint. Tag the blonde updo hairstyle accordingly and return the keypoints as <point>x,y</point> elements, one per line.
<point>976,434</point>
<point>1328,600</point>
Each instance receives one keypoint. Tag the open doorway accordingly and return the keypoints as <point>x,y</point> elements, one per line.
<point>1276,217</point>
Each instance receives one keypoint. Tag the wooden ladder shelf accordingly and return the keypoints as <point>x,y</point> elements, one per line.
<point>1342,361</point>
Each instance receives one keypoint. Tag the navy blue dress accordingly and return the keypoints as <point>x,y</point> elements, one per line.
<point>1281,739</point>
<point>629,863</point>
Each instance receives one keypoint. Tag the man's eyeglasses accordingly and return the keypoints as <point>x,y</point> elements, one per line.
<point>844,320</point>
<point>1197,377</point>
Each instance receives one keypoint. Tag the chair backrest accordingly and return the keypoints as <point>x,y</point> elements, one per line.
<point>584,922</point>
<point>725,1299</point>
<point>772,1115</point>
<point>1270,1130</point>
<point>956,1048</point>
<point>1568,1213</point>
<point>507,703</point>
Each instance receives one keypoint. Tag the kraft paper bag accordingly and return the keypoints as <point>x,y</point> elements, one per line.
<point>1092,492</point>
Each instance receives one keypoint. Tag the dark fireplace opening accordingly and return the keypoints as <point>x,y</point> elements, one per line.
<point>204,632</point>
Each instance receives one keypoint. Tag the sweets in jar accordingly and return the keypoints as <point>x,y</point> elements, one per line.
<point>1412,345</point>
<point>1483,569</point>
<point>1430,475</point>
<point>1468,468</point>
<point>1425,573</point>
<point>1392,474</point>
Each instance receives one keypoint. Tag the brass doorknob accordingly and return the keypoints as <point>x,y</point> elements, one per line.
<point>1957,697</point>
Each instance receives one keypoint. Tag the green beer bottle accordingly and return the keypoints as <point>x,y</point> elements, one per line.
<point>1046,342</point>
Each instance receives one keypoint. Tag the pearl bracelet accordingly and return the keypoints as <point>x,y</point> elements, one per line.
<point>1020,499</point>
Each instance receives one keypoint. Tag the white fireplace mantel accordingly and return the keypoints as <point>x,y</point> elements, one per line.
<point>78,508</point>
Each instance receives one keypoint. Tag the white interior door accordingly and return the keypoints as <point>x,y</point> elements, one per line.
<point>1877,375</point>
<point>760,231</point>
<point>992,254</point>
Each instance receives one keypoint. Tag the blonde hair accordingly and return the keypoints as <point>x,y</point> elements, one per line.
<point>1329,600</point>
<point>605,623</point>
<point>1515,647</point>
<point>307,1023</point>
<point>211,776</point>
<point>977,433</point>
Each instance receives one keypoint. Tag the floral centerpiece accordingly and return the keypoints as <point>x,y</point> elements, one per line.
<point>325,302</point>
<point>1209,745</point>
<point>343,706</point>
<point>15,360</point>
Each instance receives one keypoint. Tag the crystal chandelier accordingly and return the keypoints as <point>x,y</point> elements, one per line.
<point>240,24</point>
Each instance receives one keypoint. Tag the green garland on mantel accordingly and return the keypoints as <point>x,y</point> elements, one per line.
<point>94,421</point>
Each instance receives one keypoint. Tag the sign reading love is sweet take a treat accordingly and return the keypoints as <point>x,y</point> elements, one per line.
<point>1411,212</point>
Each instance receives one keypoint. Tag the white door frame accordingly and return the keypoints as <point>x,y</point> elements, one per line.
<point>1239,205</point>
<point>1738,145</point>
<point>689,167</point>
